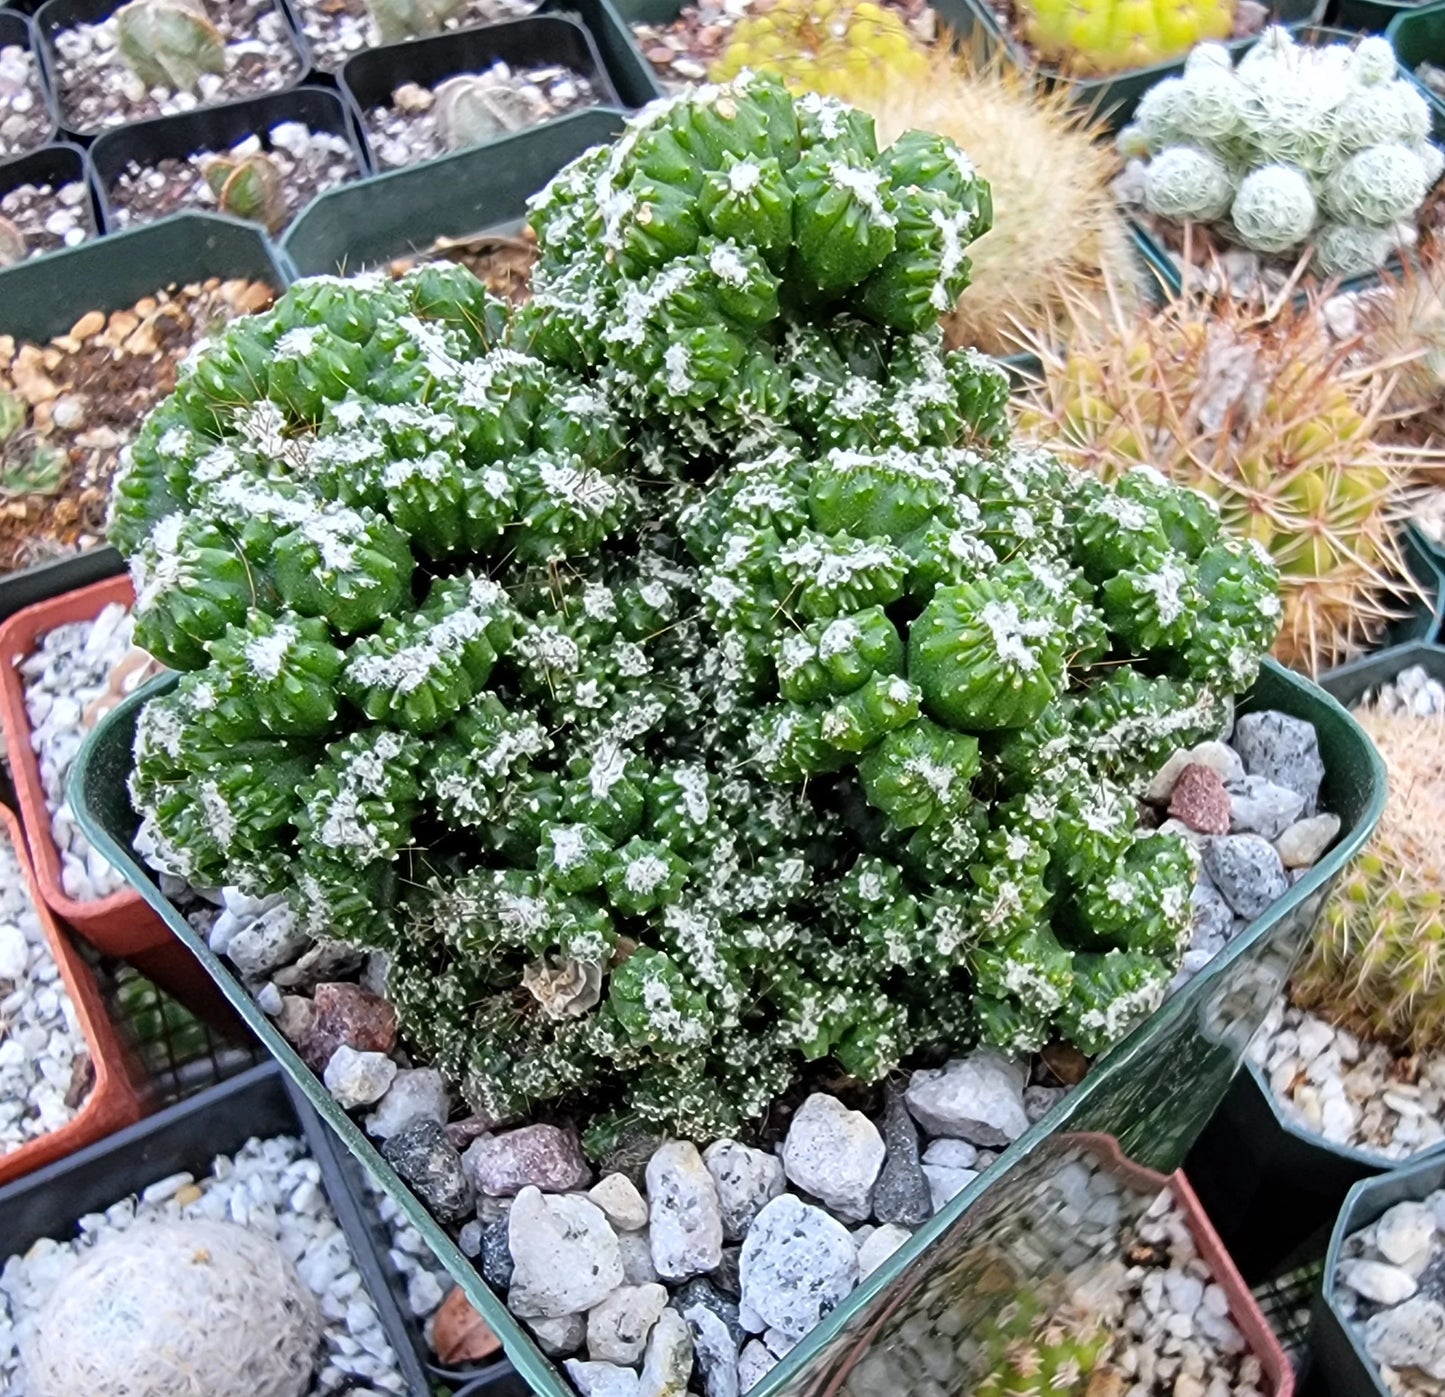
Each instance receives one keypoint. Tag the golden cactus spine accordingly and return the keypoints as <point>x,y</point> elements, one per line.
<point>1377,965</point>
<point>1261,413</point>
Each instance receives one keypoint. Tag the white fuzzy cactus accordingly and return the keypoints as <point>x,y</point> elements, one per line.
<point>1326,141</point>
<point>177,1307</point>
<point>1351,249</point>
<point>1381,185</point>
<point>1188,184</point>
<point>1274,209</point>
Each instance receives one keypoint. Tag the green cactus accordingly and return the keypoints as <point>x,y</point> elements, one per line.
<point>396,20</point>
<point>38,469</point>
<point>169,43</point>
<point>251,187</point>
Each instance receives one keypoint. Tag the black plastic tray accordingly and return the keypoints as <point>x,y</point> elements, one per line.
<point>15,28</point>
<point>53,165</point>
<point>476,191</point>
<point>217,129</point>
<point>369,78</point>
<point>56,16</point>
<point>261,1102</point>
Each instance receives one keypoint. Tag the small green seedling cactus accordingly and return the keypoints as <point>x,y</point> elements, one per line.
<point>12,415</point>
<point>169,43</point>
<point>13,248</point>
<point>251,187</point>
<point>1090,37</point>
<point>1294,147</point>
<point>38,470</point>
<point>396,20</point>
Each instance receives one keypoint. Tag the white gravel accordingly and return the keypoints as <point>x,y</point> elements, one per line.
<point>69,671</point>
<point>45,1068</point>
<point>271,1187</point>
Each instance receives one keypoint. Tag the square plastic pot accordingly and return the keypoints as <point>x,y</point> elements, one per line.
<point>474,191</point>
<point>1116,95</point>
<point>1272,1186</point>
<point>216,129</point>
<point>369,78</point>
<point>53,165</point>
<point>1345,1369</point>
<point>15,28</point>
<point>56,16</point>
<point>1152,1092</point>
<point>113,1101</point>
<point>185,1138</point>
<point>122,924</point>
<point>44,297</point>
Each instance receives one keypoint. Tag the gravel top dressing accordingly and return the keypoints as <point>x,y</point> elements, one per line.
<point>45,1068</point>
<point>48,217</point>
<point>336,29</point>
<point>24,120</point>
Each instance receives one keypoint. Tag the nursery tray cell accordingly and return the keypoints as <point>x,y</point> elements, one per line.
<point>1152,1093</point>
<point>22,132</point>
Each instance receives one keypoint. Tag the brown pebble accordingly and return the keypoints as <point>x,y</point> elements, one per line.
<point>346,1013</point>
<point>91,323</point>
<point>188,1195</point>
<point>1200,800</point>
<point>1105,1382</point>
<point>143,307</point>
<point>459,1333</point>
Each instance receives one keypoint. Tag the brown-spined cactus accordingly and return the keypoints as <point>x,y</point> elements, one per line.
<point>396,20</point>
<point>250,187</point>
<point>169,43</point>
<point>177,1307</point>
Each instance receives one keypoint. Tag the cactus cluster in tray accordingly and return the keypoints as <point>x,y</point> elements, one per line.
<point>1294,146</point>
<point>682,676</point>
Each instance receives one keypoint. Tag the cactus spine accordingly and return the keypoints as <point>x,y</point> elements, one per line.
<point>169,43</point>
<point>1377,966</point>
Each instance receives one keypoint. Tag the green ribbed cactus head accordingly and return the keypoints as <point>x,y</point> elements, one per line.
<point>169,43</point>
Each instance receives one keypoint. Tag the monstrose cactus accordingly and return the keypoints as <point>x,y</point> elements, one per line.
<point>251,187</point>
<point>681,676</point>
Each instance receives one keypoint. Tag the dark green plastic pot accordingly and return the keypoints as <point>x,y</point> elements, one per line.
<point>1345,1369</point>
<point>1371,16</point>
<point>1272,1187</point>
<point>44,297</point>
<point>1417,33</point>
<point>474,191</point>
<point>1152,1093</point>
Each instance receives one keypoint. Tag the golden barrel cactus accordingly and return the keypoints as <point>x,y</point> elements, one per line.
<point>1090,38</point>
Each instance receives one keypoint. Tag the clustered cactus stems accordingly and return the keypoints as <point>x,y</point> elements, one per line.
<point>691,677</point>
<point>840,48</point>
<point>169,43</point>
<point>1295,146</point>
<point>1043,157</point>
<point>1261,414</point>
<point>396,20</point>
<point>250,187</point>
<point>1377,963</point>
<point>1087,38</point>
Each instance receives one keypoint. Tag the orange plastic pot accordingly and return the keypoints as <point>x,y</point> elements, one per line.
<point>113,1101</point>
<point>122,924</point>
